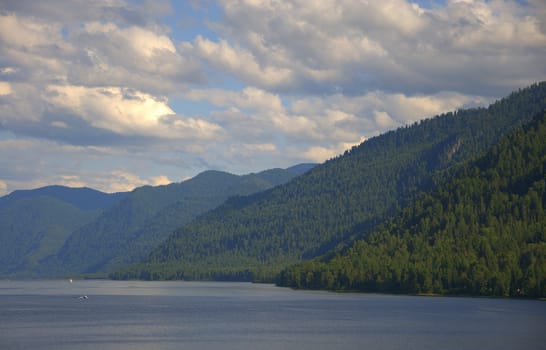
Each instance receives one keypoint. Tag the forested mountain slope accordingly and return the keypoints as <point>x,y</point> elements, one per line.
<point>342,200</point>
<point>129,230</point>
<point>481,231</point>
<point>35,223</point>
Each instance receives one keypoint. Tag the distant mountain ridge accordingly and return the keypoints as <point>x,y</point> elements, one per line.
<point>335,203</point>
<point>57,230</point>
<point>83,198</point>
<point>143,219</point>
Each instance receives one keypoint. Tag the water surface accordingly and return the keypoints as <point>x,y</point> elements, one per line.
<point>211,315</point>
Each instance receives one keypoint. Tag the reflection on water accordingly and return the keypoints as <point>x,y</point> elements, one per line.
<point>210,315</point>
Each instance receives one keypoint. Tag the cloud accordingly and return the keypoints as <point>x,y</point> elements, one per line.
<point>118,180</point>
<point>134,56</point>
<point>94,54</point>
<point>5,88</point>
<point>250,98</point>
<point>125,111</point>
<point>75,12</point>
<point>121,181</point>
<point>160,180</point>
<point>3,188</point>
<point>394,45</point>
<point>384,120</point>
<point>97,115</point>
<point>112,94</point>
<point>262,147</point>
<point>319,154</point>
<point>104,168</point>
<point>29,33</point>
<point>97,79</point>
<point>141,41</point>
<point>241,63</point>
<point>111,108</point>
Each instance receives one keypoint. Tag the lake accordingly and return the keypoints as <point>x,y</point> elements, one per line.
<point>217,315</point>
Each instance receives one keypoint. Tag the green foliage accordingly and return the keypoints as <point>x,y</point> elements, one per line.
<point>482,231</point>
<point>341,200</point>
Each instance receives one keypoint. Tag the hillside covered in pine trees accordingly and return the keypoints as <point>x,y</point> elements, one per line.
<point>481,231</point>
<point>337,203</point>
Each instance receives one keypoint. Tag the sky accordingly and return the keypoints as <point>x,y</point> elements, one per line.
<point>116,94</point>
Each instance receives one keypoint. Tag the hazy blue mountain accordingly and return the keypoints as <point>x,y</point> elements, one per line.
<point>128,231</point>
<point>31,229</point>
<point>302,168</point>
<point>34,224</point>
<point>83,198</point>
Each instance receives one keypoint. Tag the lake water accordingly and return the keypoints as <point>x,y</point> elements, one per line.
<point>210,315</point>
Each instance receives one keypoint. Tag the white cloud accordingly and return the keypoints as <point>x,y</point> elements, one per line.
<point>94,54</point>
<point>142,41</point>
<point>160,180</point>
<point>488,27</point>
<point>121,181</point>
<point>118,180</point>
<point>7,70</point>
<point>120,52</point>
<point>261,147</point>
<point>384,120</point>
<point>5,88</point>
<point>394,45</point>
<point>248,98</point>
<point>32,48</point>
<point>319,154</point>
<point>96,111</point>
<point>71,181</point>
<point>111,108</point>
<point>241,63</point>
<point>92,78</point>
<point>3,188</point>
<point>28,34</point>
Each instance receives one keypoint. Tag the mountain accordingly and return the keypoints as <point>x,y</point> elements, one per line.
<point>82,198</point>
<point>128,231</point>
<point>481,231</point>
<point>35,223</point>
<point>343,200</point>
<point>302,168</point>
